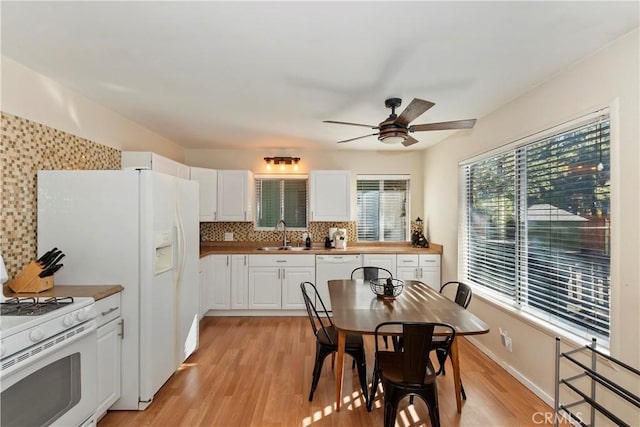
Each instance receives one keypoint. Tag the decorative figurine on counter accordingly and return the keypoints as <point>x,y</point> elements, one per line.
<point>418,238</point>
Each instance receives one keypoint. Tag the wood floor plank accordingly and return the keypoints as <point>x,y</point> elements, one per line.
<point>256,371</point>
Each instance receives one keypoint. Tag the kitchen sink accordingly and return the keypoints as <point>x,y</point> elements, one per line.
<point>282,248</point>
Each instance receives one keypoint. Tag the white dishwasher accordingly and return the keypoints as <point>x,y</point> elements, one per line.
<point>329,267</point>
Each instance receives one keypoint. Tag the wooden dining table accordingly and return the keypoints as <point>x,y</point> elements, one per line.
<point>357,310</point>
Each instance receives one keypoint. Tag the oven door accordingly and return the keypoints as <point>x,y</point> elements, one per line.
<point>58,385</point>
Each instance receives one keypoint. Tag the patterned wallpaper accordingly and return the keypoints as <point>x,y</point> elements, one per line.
<point>25,148</point>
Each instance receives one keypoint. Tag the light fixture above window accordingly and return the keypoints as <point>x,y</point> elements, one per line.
<point>282,161</point>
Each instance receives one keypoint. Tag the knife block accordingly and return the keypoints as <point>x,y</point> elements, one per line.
<point>28,281</point>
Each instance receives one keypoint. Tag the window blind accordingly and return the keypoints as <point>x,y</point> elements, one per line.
<point>281,198</point>
<point>382,205</point>
<point>536,220</point>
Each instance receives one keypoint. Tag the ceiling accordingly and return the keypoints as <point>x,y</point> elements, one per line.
<point>264,75</point>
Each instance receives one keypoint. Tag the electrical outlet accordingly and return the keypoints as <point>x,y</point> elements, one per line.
<point>507,343</point>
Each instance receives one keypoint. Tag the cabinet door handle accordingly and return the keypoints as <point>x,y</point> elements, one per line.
<point>121,334</point>
<point>421,272</point>
<point>227,260</point>
<point>245,260</point>
<point>111,310</point>
<point>215,215</point>
<point>406,260</point>
<point>278,273</point>
<point>283,274</point>
<point>417,273</point>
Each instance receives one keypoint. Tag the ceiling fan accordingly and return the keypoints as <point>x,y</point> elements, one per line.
<point>395,129</point>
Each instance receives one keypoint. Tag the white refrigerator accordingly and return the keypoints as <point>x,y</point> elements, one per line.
<point>139,229</point>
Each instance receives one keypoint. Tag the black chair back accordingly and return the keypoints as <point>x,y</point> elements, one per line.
<point>368,273</point>
<point>319,320</point>
<point>463,293</point>
<point>416,338</point>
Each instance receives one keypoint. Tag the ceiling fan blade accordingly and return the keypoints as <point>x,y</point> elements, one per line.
<point>413,111</point>
<point>351,124</point>
<point>455,124</point>
<point>353,139</point>
<point>409,141</point>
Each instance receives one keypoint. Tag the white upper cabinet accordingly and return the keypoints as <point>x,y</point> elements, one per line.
<point>330,195</point>
<point>154,162</point>
<point>208,181</point>
<point>235,195</point>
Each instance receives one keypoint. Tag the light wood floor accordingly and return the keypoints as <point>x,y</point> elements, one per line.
<point>256,371</point>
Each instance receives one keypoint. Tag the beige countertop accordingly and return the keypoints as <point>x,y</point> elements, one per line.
<point>211,248</point>
<point>96,292</point>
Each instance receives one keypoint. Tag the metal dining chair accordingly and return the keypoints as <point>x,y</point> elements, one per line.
<point>407,370</point>
<point>463,295</point>
<point>327,338</point>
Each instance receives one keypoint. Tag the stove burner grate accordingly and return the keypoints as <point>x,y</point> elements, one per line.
<point>32,306</point>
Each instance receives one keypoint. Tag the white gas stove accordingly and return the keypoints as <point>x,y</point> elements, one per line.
<point>29,326</point>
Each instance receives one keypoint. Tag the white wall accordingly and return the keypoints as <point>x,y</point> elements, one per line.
<point>608,76</point>
<point>33,96</point>
<point>358,162</point>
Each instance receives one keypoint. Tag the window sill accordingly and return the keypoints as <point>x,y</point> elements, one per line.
<point>572,340</point>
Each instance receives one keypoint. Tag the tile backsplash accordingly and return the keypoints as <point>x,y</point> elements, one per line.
<point>244,232</point>
<point>25,148</point>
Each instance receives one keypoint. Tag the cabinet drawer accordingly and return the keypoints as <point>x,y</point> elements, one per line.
<point>282,260</point>
<point>407,260</point>
<point>430,260</point>
<point>108,309</point>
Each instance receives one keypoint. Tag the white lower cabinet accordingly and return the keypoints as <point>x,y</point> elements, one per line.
<point>227,282</point>
<point>274,280</point>
<point>202,286</point>
<point>219,282</point>
<point>387,261</point>
<point>425,268</point>
<point>110,329</point>
<point>265,287</point>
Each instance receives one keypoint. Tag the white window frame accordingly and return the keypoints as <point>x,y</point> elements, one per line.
<point>391,177</point>
<point>282,177</point>
<point>512,307</point>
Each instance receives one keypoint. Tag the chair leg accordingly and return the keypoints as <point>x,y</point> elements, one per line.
<point>362,375</point>
<point>390,409</point>
<point>464,395</point>
<point>442,358</point>
<point>430,397</point>
<point>374,387</point>
<point>386,341</point>
<point>391,399</point>
<point>317,369</point>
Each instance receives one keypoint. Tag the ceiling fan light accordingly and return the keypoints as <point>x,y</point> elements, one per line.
<point>393,138</point>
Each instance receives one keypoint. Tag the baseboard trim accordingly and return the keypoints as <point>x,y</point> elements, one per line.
<point>548,399</point>
<point>254,313</point>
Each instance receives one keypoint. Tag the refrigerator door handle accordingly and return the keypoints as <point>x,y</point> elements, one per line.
<point>181,247</point>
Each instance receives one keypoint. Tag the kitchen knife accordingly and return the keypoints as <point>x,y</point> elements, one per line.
<point>54,261</point>
<point>49,258</point>
<point>49,271</point>
<point>43,259</point>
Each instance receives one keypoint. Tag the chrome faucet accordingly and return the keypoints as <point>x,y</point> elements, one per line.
<point>284,225</point>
